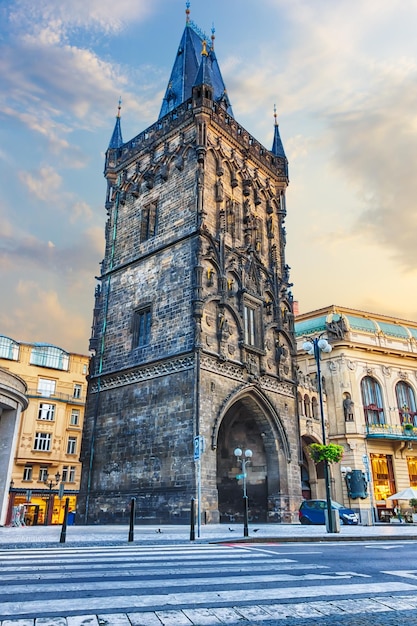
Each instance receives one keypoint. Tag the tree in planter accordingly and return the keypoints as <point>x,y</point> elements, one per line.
<point>332,452</point>
<point>413,504</point>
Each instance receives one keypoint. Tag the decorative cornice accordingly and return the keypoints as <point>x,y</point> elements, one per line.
<point>238,373</point>
<point>162,368</point>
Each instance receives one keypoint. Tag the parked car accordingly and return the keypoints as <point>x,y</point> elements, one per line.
<point>312,512</point>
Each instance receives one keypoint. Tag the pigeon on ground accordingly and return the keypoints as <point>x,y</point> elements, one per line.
<point>158,531</point>
<point>232,530</point>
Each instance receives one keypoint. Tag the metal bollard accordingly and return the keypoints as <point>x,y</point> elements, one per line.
<point>192,520</point>
<point>64,523</point>
<point>132,520</point>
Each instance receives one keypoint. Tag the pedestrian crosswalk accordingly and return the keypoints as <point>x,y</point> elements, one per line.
<point>184,584</point>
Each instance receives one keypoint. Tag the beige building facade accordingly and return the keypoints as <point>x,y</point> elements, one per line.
<point>44,465</point>
<point>370,387</point>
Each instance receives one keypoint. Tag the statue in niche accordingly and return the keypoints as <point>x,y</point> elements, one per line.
<point>348,409</point>
<point>219,191</point>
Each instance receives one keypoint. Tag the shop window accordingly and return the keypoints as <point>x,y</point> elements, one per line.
<point>412,470</point>
<point>383,476</point>
<point>372,401</point>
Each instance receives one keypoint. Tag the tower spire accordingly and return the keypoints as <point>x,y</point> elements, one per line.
<point>116,139</point>
<point>277,147</point>
<point>187,12</point>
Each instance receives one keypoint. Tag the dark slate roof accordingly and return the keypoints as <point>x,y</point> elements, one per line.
<point>116,140</point>
<point>186,69</point>
<point>277,147</point>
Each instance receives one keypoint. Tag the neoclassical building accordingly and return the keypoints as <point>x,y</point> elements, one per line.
<point>370,390</point>
<point>44,460</point>
<point>193,323</point>
<point>13,400</point>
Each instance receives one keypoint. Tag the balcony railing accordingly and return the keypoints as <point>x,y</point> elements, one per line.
<point>60,397</point>
<point>388,431</point>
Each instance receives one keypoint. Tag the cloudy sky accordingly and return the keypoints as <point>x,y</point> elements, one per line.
<point>343,75</point>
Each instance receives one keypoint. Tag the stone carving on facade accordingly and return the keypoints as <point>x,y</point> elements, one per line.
<point>403,375</point>
<point>386,371</point>
<point>336,329</point>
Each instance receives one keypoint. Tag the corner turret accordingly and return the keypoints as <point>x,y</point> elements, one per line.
<point>116,140</point>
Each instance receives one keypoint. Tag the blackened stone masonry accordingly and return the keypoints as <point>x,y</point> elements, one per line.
<point>193,320</point>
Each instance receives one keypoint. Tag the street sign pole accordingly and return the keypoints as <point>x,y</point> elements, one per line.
<point>198,449</point>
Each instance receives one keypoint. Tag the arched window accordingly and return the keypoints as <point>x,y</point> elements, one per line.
<point>372,401</point>
<point>307,409</point>
<point>406,402</point>
<point>314,407</point>
<point>300,404</point>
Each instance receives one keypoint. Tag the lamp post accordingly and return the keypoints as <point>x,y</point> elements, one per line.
<point>244,461</point>
<point>315,347</point>
<point>50,484</point>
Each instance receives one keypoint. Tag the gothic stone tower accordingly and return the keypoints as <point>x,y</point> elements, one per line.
<point>193,322</point>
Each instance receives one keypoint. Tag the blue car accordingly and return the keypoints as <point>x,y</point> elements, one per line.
<point>312,512</point>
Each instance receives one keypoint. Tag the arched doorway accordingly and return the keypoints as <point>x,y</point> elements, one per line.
<point>249,424</point>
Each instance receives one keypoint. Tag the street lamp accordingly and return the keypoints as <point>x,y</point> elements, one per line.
<point>50,484</point>
<point>244,461</point>
<point>315,347</point>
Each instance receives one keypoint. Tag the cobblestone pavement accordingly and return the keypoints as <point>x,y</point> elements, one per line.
<point>31,536</point>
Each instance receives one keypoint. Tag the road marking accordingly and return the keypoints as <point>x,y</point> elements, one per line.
<point>68,606</point>
<point>406,573</point>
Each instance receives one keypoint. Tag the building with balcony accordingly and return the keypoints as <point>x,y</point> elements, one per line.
<point>370,385</point>
<point>44,462</point>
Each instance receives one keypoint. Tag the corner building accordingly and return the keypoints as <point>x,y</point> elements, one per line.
<point>193,327</point>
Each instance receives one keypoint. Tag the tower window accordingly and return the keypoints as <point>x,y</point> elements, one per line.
<point>251,322</point>
<point>141,327</point>
<point>148,222</point>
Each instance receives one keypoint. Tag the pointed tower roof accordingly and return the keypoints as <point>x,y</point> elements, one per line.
<point>116,139</point>
<point>205,73</point>
<point>277,147</point>
<point>186,68</point>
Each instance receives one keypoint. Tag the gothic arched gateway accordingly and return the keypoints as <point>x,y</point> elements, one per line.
<point>251,423</point>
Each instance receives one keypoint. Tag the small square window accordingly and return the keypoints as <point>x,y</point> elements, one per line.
<point>43,473</point>
<point>42,442</point>
<point>75,417</point>
<point>46,412</point>
<point>77,391</point>
<point>27,472</point>
<point>72,445</point>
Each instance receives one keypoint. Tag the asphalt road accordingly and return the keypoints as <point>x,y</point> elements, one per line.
<point>349,583</point>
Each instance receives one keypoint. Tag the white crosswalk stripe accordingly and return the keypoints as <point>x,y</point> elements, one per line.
<point>202,584</point>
